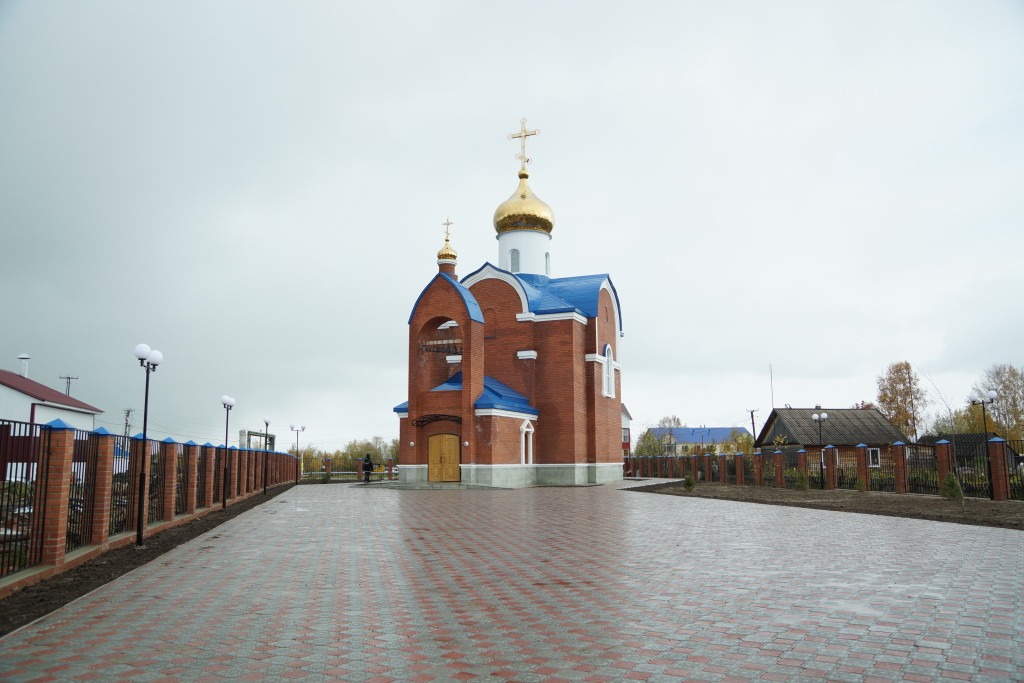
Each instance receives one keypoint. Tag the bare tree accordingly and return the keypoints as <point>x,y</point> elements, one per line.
<point>1008,407</point>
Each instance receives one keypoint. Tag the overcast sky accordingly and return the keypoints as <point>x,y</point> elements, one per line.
<point>257,190</point>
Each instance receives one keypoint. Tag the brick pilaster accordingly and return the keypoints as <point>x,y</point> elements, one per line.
<point>999,473</point>
<point>899,466</point>
<point>780,472</point>
<point>758,469</point>
<point>56,472</point>
<point>103,486</point>
<point>191,473</point>
<point>211,464</point>
<point>863,472</point>
<point>801,462</point>
<point>831,467</point>
<point>943,461</point>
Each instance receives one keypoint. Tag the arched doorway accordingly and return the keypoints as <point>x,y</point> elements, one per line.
<point>443,456</point>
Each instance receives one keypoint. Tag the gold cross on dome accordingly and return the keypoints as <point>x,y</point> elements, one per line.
<point>447,223</point>
<point>523,133</point>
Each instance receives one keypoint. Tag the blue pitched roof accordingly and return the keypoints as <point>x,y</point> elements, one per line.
<point>697,434</point>
<point>496,396</point>
<point>472,307</point>
<point>561,295</point>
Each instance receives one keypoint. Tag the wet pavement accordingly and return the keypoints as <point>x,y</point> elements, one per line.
<point>362,583</point>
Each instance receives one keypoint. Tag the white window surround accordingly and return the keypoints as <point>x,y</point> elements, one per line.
<point>534,317</point>
<point>526,443</point>
<point>489,272</point>
<point>402,416</point>
<point>608,385</point>
<point>453,359</point>
<point>874,457</point>
<point>513,260</point>
<point>526,355</point>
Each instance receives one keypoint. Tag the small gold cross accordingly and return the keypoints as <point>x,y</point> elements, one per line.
<point>523,133</point>
<point>447,223</point>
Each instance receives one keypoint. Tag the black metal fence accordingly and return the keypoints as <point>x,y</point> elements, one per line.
<point>730,469</point>
<point>23,457</point>
<point>768,469</point>
<point>922,470</point>
<point>201,464</point>
<point>972,469</point>
<point>156,480</point>
<point>124,488</point>
<point>748,470</point>
<point>790,468</point>
<point>846,467</point>
<point>881,470</point>
<point>180,480</point>
<point>82,494</point>
<point>815,472</point>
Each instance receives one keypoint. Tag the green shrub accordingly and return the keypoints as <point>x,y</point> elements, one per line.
<point>860,485</point>
<point>689,483</point>
<point>801,481</point>
<point>950,488</point>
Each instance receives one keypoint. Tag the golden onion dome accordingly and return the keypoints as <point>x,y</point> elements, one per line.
<point>523,210</point>
<point>446,253</point>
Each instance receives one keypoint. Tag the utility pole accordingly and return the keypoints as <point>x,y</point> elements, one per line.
<point>68,378</point>
<point>753,430</point>
<point>128,420</point>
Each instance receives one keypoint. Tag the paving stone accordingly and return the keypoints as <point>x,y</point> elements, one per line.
<point>578,584</point>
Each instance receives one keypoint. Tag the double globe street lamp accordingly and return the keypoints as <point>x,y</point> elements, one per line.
<point>266,449</point>
<point>297,430</point>
<point>819,419</point>
<point>148,359</point>
<point>228,402</point>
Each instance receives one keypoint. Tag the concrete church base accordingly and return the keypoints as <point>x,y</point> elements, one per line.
<point>520,476</point>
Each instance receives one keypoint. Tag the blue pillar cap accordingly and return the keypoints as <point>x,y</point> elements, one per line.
<point>58,425</point>
<point>862,445</point>
<point>899,443</point>
<point>102,431</point>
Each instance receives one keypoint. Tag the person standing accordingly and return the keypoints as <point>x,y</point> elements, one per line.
<point>367,468</point>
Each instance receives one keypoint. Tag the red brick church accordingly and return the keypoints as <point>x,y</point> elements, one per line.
<point>513,374</point>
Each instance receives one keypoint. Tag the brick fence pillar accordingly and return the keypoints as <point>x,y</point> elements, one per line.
<point>738,460</point>
<point>758,469</point>
<point>169,462</point>
<point>211,464</point>
<point>232,456</point>
<point>327,468</point>
<point>831,459</point>
<point>57,477</point>
<point>998,468</point>
<point>103,483</point>
<point>899,466</point>
<point>863,473</point>
<point>943,461</point>
<point>780,473</point>
<point>723,469</point>
<point>191,476</point>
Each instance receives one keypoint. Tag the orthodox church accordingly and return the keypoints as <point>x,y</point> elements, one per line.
<point>513,377</point>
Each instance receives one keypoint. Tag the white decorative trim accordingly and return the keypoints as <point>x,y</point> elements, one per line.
<point>454,359</point>
<point>594,358</point>
<point>547,317</point>
<point>447,325</point>
<point>442,261</point>
<point>526,355</point>
<point>472,465</point>
<point>526,443</point>
<point>497,412</point>
<point>402,416</point>
<point>489,272</point>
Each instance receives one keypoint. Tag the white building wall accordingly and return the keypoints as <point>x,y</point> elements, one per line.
<point>533,246</point>
<point>17,406</point>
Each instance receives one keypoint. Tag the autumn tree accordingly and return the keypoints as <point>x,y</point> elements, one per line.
<point>900,397</point>
<point>647,444</point>
<point>863,405</point>
<point>742,440</point>
<point>1008,407</point>
<point>670,421</point>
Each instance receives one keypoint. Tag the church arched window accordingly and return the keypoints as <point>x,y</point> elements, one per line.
<point>547,263</point>
<point>513,259</point>
<point>609,372</point>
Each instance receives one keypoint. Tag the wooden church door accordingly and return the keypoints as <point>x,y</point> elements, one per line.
<point>443,458</point>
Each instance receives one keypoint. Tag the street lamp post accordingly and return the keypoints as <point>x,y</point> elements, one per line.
<point>297,454</point>
<point>983,401</point>
<point>148,359</point>
<point>820,419</point>
<point>266,448</point>
<point>228,403</point>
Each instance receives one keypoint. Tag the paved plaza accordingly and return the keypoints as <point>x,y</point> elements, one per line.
<point>362,583</point>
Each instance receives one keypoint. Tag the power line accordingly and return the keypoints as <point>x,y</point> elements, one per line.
<point>68,378</point>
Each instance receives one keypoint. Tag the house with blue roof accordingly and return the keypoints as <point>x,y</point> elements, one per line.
<point>698,440</point>
<point>514,377</point>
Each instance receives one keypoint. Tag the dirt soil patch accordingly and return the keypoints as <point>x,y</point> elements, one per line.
<point>40,599</point>
<point>1007,514</point>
